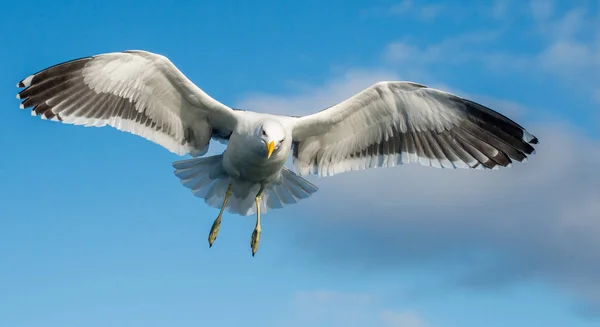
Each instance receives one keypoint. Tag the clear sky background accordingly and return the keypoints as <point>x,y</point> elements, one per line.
<point>95,230</point>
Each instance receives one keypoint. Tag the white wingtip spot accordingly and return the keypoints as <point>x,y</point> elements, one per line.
<point>21,106</point>
<point>26,82</point>
<point>18,96</point>
<point>527,137</point>
<point>33,113</point>
<point>55,118</point>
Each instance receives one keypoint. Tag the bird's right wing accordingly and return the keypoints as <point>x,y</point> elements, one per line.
<point>134,91</point>
<point>390,123</point>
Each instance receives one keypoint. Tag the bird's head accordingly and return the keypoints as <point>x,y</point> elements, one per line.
<point>272,135</point>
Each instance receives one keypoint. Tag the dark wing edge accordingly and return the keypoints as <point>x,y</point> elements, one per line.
<point>62,85</point>
<point>484,139</point>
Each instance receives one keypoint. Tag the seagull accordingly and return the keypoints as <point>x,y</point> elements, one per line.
<point>388,124</point>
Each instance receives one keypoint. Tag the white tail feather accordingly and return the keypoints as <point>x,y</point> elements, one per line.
<point>206,179</point>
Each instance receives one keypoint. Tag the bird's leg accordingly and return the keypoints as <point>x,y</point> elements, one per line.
<point>214,230</point>
<point>256,233</point>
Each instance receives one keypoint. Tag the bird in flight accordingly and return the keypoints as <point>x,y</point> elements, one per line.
<point>387,124</point>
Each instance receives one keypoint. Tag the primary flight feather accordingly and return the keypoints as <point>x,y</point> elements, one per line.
<point>387,124</point>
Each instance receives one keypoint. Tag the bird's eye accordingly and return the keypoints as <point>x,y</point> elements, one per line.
<point>264,133</point>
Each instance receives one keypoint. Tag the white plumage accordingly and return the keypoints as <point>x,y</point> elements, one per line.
<point>134,91</point>
<point>387,124</point>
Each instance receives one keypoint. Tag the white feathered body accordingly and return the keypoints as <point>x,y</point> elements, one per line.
<point>244,159</point>
<point>244,167</point>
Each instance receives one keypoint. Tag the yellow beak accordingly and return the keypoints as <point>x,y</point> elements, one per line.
<point>270,148</point>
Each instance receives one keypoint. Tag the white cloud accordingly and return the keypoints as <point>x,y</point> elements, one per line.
<point>401,7</point>
<point>572,50</point>
<point>539,220</point>
<point>402,319</point>
<point>500,9</point>
<point>422,11</point>
<point>433,11</point>
<point>475,49</point>
<point>562,45</point>
<point>318,97</point>
<point>327,296</point>
<point>541,9</point>
<point>573,45</point>
<point>310,99</point>
<point>345,309</point>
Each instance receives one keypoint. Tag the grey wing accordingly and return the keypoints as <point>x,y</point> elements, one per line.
<point>134,91</point>
<point>392,123</point>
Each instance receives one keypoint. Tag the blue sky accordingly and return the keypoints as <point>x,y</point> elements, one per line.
<point>95,229</point>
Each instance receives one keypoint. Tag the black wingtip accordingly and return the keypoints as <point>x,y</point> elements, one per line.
<point>534,140</point>
<point>20,84</point>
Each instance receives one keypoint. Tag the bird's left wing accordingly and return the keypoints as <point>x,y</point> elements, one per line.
<point>391,123</point>
<point>139,92</point>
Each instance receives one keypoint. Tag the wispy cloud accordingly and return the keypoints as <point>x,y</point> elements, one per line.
<point>431,11</point>
<point>534,39</point>
<point>402,319</point>
<point>452,50</point>
<point>535,221</point>
<point>541,9</point>
<point>320,97</point>
<point>500,8</point>
<point>346,309</point>
<point>572,46</point>
<point>554,46</point>
<point>426,12</point>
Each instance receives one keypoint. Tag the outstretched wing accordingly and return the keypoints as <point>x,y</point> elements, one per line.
<point>392,123</point>
<point>134,91</point>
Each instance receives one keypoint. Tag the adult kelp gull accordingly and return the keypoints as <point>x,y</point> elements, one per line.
<point>387,124</point>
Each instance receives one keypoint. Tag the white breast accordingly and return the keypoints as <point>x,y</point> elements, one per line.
<point>242,162</point>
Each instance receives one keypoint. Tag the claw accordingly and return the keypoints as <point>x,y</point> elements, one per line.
<point>255,240</point>
<point>214,230</point>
